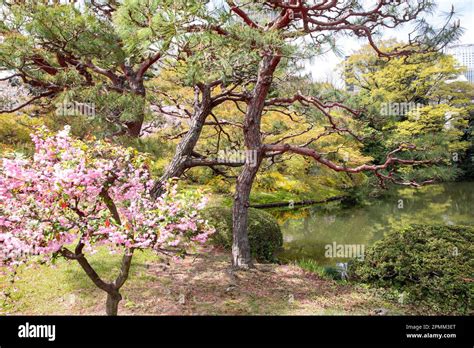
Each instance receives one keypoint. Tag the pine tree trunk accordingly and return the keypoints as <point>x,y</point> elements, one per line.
<point>137,87</point>
<point>186,146</point>
<point>241,255</point>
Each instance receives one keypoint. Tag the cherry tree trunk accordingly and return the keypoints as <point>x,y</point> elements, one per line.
<point>111,306</point>
<point>112,289</point>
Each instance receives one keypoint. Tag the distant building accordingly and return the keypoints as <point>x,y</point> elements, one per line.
<point>464,54</point>
<point>350,87</point>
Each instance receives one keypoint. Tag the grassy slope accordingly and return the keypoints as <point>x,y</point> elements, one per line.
<point>204,283</point>
<point>264,197</point>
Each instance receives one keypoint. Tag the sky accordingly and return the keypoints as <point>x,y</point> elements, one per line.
<point>324,68</point>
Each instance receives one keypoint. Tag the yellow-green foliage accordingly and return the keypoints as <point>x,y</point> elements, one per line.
<point>15,132</point>
<point>435,119</point>
<point>403,79</point>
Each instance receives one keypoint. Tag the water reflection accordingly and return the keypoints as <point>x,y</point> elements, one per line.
<point>308,230</point>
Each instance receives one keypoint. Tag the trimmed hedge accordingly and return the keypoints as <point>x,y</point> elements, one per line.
<point>432,264</point>
<point>265,236</point>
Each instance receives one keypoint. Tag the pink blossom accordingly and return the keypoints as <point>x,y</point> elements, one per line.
<point>56,198</point>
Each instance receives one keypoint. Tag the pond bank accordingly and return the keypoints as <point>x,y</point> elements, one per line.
<point>308,231</point>
<point>292,204</point>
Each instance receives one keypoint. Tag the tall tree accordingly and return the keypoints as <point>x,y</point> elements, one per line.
<point>420,98</point>
<point>272,36</point>
<point>100,52</point>
<point>287,29</point>
<point>108,54</point>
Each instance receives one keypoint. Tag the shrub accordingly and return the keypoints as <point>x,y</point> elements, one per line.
<point>265,236</point>
<point>432,264</point>
<point>312,266</point>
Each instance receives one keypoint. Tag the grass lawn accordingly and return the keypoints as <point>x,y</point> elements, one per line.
<point>201,285</point>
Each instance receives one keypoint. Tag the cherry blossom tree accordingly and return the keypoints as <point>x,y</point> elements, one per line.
<point>84,194</point>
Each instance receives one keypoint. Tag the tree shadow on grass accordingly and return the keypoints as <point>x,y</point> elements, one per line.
<point>204,285</point>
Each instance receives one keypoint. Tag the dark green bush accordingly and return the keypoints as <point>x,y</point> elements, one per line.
<point>433,265</point>
<point>265,236</point>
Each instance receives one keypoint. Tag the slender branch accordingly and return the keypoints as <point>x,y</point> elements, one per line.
<point>147,64</point>
<point>390,160</point>
<point>124,269</point>
<point>91,273</point>
<point>9,77</point>
<point>212,162</point>
<point>242,14</point>
<point>21,106</point>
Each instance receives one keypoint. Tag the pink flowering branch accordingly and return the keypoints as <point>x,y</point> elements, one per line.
<point>96,194</point>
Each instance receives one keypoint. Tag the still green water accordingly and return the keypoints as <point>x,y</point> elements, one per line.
<point>307,231</point>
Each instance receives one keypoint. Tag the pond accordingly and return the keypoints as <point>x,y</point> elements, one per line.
<point>319,232</point>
